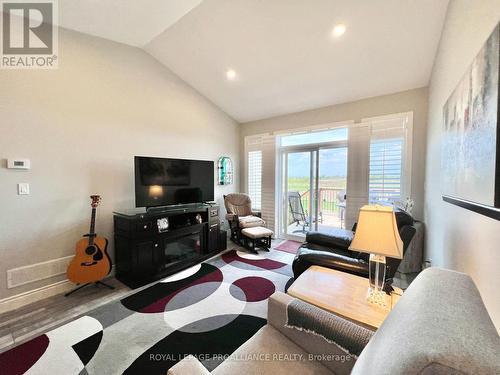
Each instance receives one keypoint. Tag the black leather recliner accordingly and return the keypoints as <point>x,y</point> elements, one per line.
<point>331,249</point>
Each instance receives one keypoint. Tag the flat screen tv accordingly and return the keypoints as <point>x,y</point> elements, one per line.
<point>166,182</point>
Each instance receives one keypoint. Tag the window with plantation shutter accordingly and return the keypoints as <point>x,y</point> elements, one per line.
<point>260,175</point>
<point>385,170</point>
<point>254,178</point>
<point>389,171</point>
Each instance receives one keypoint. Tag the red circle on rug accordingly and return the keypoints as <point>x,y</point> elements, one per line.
<point>255,288</point>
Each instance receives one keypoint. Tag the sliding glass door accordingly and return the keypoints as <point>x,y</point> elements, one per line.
<point>332,182</point>
<point>300,184</point>
<point>314,189</point>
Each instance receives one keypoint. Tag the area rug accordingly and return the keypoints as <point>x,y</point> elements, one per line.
<point>208,310</point>
<point>289,246</point>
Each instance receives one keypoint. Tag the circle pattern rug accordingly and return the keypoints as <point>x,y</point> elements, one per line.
<point>208,311</point>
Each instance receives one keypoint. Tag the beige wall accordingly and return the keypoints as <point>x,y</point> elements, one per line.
<point>458,238</point>
<point>412,100</point>
<point>81,125</point>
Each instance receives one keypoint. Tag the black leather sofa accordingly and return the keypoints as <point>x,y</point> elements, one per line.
<point>331,249</point>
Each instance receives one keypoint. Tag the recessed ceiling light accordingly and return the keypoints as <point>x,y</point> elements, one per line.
<point>339,30</point>
<point>231,74</point>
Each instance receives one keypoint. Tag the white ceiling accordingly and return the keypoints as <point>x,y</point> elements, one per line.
<point>286,59</point>
<point>283,52</point>
<point>134,22</point>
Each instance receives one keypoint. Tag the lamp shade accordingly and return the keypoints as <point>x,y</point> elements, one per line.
<point>377,232</point>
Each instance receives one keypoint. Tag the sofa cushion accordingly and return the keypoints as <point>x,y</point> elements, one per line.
<point>269,352</point>
<point>333,238</point>
<point>440,325</point>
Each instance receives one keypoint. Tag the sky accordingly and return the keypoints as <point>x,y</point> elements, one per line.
<point>332,162</point>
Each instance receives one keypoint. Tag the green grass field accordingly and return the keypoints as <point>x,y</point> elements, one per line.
<point>301,184</point>
<point>328,197</point>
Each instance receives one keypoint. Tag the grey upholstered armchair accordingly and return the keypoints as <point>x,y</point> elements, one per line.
<point>240,214</point>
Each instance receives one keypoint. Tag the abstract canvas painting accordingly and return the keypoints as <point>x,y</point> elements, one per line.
<point>470,165</point>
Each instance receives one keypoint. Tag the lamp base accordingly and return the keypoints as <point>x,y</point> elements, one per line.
<point>377,297</point>
<point>376,294</point>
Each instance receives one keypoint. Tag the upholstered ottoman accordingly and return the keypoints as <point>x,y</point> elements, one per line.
<point>256,237</point>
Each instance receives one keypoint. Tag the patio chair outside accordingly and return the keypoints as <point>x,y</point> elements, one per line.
<point>299,215</point>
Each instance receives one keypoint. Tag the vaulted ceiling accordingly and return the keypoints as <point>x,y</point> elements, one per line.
<point>283,53</point>
<point>133,22</point>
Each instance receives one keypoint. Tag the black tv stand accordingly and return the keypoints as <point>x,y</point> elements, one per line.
<point>173,208</point>
<point>155,243</point>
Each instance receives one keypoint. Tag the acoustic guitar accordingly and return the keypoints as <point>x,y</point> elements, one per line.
<point>91,262</point>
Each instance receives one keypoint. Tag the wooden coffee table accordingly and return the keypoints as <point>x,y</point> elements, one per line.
<point>343,294</point>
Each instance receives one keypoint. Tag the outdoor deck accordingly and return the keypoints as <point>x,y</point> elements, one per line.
<point>330,206</point>
<point>330,221</point>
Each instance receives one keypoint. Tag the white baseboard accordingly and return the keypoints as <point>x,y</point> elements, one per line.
<point>37,272</point>
<point>23,299</point>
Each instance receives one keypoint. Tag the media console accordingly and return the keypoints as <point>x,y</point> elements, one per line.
<point>150,245</point>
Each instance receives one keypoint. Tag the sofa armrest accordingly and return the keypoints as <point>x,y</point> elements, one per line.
<point>337,360</point>
<point>333,238</point>
<point>188,366</point>
<point>334,329</point>
<point>277,309</point>
<point>335,259</point>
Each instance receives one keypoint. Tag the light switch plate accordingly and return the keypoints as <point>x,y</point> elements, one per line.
<point>23,188</point>
<point>18,163</point>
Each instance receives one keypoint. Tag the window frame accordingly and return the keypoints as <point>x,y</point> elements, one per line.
<point>406,119</point>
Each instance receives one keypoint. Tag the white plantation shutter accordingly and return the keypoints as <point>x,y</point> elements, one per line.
<point>390,158</point>
<point>357,171</point>
<point>386,166</point>
<point>265,146</point>
<point>254,178</point>
<point>379,162</point>
<point>269,196</point>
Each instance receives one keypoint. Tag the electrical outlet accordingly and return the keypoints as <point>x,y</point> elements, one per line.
<point>23,188</point>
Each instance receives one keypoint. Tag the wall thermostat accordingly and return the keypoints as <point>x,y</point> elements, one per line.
<point>18,163</point>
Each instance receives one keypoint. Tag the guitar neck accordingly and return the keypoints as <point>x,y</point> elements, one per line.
<point>92,227</point>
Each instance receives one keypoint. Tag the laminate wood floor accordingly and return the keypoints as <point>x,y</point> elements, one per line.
<point>23,324</point>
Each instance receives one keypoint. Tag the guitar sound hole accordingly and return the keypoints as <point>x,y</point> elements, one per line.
<point>98,255</point>
<point>90,250</point>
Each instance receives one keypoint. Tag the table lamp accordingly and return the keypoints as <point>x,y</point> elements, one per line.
<point>377,234</point>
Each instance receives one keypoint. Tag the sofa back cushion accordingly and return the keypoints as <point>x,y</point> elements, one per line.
<point>440,325</point>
